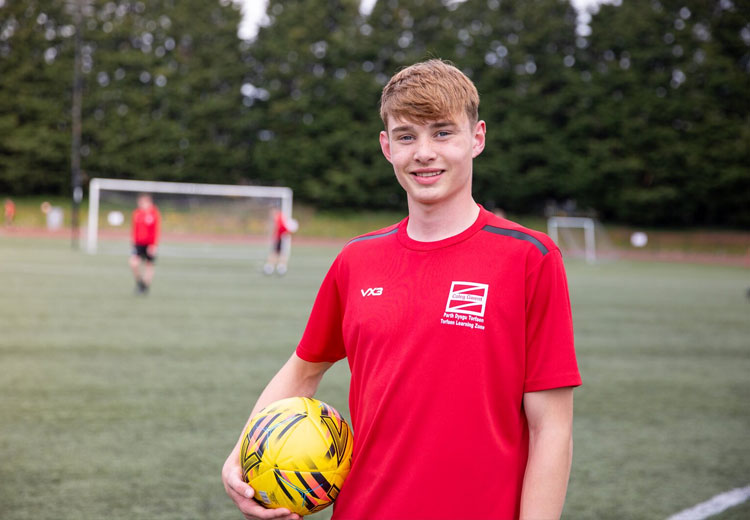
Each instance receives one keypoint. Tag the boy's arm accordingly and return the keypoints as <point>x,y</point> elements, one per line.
<point>550,417</point>
<point>296,378</point>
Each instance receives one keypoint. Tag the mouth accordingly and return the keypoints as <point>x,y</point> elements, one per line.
<point>427,176</point>
<point>426,173</point>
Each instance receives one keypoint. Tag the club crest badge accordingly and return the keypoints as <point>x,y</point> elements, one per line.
<point>467,298</point>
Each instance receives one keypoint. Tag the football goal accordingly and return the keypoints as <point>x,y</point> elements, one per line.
<point>198,220</point>
<point>578,236</point>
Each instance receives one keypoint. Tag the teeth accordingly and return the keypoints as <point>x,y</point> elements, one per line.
<point>431,174</point>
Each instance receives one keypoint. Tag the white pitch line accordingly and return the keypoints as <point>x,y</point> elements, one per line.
<point>715,505</point>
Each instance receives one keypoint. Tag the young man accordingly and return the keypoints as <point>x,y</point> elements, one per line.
<point>146,223</point>
<point>457,328</point>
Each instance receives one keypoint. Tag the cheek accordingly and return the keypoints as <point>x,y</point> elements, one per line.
<point>399,158</point>
<point>400,178</point>
<point>459,155</point>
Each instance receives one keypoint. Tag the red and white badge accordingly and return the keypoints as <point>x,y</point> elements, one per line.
<point>467,298</point>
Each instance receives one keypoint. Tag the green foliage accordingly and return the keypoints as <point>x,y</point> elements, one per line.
<point>317,106</point>
<point>35,75</point>
<point>164,93</point>
<point>668,120</point>
<point>517,58</point>
<point>161,93</point>
<point>644,120</point>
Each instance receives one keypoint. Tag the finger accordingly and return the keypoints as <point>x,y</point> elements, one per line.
<point>241,493</point>
<point>239,486</point>
<point>253,510</point>
<point>237,498</point>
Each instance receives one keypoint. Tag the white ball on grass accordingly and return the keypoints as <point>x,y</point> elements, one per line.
<point>639,239</point>
<point>115,218</point>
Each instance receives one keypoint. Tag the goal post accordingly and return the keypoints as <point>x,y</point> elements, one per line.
<point>589,232</point>
<point>99,185</point>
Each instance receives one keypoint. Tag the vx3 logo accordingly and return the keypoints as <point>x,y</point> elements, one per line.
<point>372,291</point>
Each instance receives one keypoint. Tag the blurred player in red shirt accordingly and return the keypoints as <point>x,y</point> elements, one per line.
<point>146,222</point>
<point>278,256</point>
<point>10,212</point>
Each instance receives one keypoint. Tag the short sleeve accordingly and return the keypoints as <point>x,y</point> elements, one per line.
<point>322,339</point>
<point>550,347</point>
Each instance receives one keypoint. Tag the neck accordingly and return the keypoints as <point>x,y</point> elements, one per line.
<point>430,223</point>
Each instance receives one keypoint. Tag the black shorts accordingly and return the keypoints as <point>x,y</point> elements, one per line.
<point>277,245</point>
<point>142,251</point>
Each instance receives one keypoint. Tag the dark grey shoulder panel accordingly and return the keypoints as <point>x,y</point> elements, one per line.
<point>379,235</point>
<point>520,235</point>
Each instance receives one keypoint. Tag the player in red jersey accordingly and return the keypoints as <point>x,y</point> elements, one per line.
<point>457,328</point>
<point>10,212</point>
<point>146,223</point>
<point>278,257</point>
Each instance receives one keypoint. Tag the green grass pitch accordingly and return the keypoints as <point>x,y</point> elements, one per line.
<point>121,407</point>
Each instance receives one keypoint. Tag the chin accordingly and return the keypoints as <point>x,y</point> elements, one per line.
<point>427,198</point>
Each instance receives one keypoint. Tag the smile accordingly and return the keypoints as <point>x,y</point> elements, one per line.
<point>427,174</point>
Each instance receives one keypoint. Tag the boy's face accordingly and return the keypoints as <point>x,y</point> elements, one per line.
<point>433,161</point>
<point>144,202</point>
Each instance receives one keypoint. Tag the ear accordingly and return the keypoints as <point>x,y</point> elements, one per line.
<point>385,145</point>
<point>480,131</point>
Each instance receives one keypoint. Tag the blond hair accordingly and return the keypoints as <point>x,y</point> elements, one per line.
<point>428,91</point>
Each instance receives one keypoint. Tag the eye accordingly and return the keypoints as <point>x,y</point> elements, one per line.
<point>405,138</point>
<point>443,133</point>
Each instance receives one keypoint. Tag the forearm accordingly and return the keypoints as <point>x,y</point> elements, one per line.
<point>295,378</point>
<point>290,381</point>
<point>547,471</point>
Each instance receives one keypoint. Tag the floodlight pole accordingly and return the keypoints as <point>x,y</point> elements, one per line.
<point>75,147</point>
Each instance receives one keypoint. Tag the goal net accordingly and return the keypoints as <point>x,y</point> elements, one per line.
<point>198,220</point>
<point>580,237</point>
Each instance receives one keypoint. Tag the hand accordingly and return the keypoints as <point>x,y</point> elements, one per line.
<point>151,250</point>
<point>242,494</point>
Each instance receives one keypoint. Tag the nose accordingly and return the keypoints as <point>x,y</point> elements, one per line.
<point>424,151</point>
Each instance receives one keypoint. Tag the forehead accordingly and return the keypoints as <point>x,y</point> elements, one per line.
<point>397,123</point>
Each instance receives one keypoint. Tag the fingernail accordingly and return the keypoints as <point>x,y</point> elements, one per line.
<point>248,493</point>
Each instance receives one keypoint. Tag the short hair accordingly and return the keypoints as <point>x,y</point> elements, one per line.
<point>428,91</point>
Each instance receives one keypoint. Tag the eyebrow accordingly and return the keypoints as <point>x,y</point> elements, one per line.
<point>435,125</point>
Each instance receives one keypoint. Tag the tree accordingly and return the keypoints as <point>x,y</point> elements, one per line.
<point>35,79</point>
<point>520,55</point>
<point>643,120</point>
<point>401,32</point>
<point>161,93</point>
<point>164,93</point>
<point>316,105</point>
<point>668,121</point>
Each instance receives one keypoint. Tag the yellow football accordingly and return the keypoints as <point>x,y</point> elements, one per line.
<point>296,453</point>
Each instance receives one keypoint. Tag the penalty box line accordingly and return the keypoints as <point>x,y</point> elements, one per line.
<point>715,505</point>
